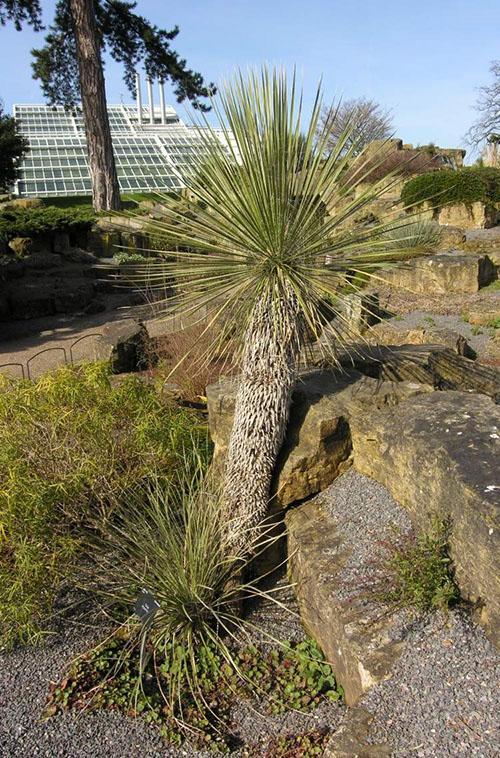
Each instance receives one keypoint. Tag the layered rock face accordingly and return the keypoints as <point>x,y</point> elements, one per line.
<point>317,445</point>
<point>443,273</point>
<point>440,453</point>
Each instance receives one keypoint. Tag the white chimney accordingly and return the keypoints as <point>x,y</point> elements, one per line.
<point>138,97</point>
<point>149,84</point>
<point>162,102</point>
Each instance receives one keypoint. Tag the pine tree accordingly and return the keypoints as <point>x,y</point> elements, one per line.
<point>69,68</point>
<point>12,149</point>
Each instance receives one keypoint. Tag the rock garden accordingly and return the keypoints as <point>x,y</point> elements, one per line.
<point>265,524</point>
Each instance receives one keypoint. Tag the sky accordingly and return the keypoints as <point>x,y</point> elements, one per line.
<point>423,60</point>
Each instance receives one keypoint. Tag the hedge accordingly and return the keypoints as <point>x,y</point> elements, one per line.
<point>31,222</point>
<point>466,185</point>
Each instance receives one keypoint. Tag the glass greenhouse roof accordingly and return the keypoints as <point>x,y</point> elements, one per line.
<point>149,156</point>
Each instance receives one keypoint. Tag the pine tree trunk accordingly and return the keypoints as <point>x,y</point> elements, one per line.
<point>269,372</point>
<point>105,188</point>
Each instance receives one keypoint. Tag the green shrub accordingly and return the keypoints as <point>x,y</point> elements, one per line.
<point>70,442</point>
<point>31,222</point>
<point>124,258</point>
<point>467,185</point>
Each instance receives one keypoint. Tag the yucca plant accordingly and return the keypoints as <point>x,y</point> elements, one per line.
<point>256,252</point>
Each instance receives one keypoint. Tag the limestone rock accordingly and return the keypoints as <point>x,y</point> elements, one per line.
<point>23,202</point>
<point>21,246</point>
<point>332,548</point>
<point>453,372</point>
<point>317,445</point>
<point>439,453</point>
<point>451,237</point>
<point>443,273</point>
<point>474,216</point>
<point>483,314</point>
<point>394,332</point>
<point>352,738</point>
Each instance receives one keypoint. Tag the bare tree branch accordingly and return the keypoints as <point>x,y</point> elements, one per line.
<point>366,119</point>
<point>487,126</point>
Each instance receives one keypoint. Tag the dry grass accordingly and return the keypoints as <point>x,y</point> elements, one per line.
<point>183,358</point>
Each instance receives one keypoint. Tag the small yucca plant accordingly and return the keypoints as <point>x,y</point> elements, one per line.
<point>250,252</point>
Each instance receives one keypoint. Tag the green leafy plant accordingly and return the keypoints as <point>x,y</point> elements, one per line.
<point>494,323</point>
<point>124,258</point>
<point>70,442</point>
<point>418,572</point>
<point>466,185</point>
<point>288,676</point>
<point>303,745</point>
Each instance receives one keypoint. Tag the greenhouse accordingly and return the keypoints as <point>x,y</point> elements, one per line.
<point>151,153</point>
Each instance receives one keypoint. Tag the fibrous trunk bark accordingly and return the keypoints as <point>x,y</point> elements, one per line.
<point>105,188</point>
<point>269,370</point>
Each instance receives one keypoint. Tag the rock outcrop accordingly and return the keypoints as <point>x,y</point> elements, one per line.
<point>317,445</point>
<point>477,215</point>
<point>439,453</point>
<point>330,556</point>
<point>443,273</point>
<point>394,332</point>
<point>127,345</point>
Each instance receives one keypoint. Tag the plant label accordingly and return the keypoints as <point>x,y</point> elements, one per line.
<point>146,605</point>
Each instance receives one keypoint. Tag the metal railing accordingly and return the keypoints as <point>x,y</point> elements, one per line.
<point>67,354</point>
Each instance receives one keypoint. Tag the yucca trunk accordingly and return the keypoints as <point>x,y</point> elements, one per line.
<point>269,369</point>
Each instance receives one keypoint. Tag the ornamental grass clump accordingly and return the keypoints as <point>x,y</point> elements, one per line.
<point>183,658</point>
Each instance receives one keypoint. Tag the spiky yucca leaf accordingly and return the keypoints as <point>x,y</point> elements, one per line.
<point>255,225</point>
<point>255,250</point>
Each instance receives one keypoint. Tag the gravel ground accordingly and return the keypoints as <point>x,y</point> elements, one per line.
<point>443,698</point>
<point>368,514</point>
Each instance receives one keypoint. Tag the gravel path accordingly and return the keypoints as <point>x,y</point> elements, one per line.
<point>443,698</point>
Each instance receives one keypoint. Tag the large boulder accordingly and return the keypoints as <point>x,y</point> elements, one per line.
<point>21,246</point>
<point>476,215</point>
<point>317,445</point>
<point>443,273</point>
<point>439,454</point>
<point>450,237</point>
<point>396,332</point>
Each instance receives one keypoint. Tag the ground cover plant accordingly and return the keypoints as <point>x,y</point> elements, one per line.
<point>466,185</point>
<point>416,572</point>
<point>290,676</point>
<point>70,442</point>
